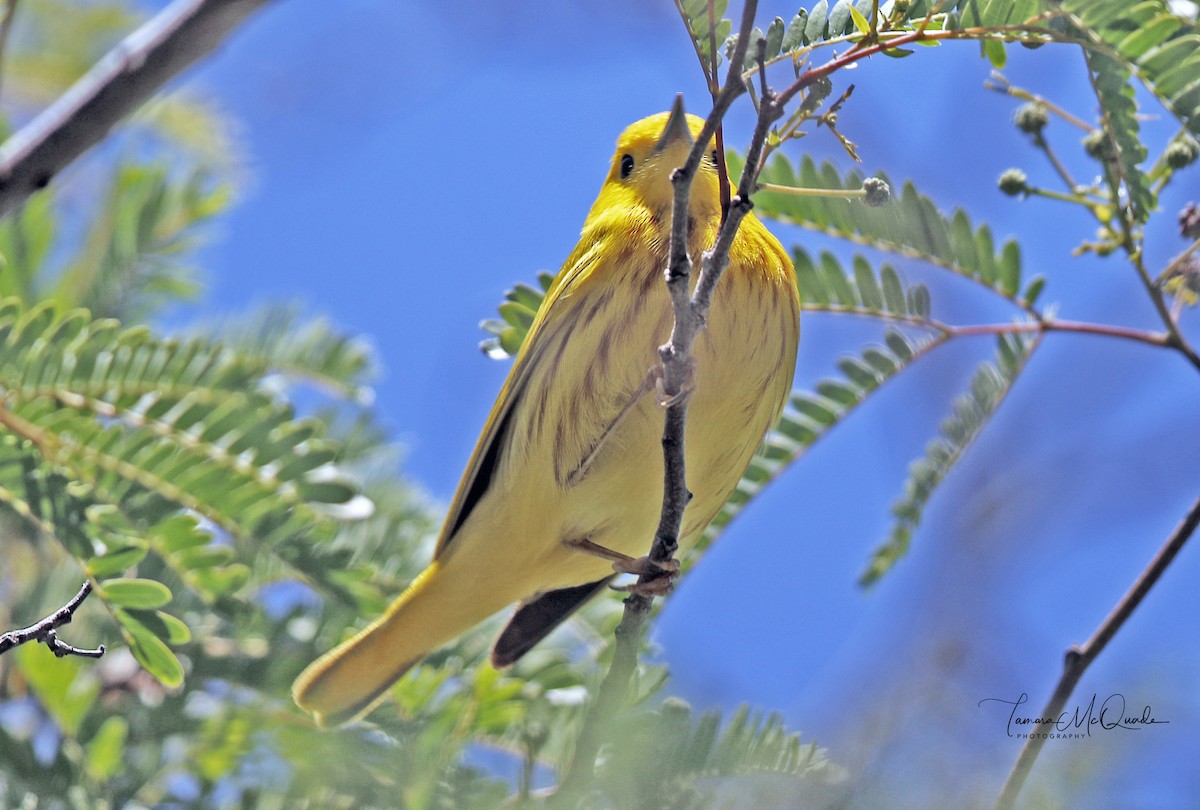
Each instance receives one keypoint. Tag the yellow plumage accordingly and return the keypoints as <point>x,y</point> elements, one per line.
<point>555,464</point>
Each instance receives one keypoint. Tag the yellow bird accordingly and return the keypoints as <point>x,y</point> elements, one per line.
<point>568,474</point>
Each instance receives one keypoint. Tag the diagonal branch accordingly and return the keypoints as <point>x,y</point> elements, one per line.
<point>1078,658</point>
<point>127,76</point>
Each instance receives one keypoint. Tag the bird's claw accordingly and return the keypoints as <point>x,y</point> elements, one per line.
<point>685,389</point>
<point>656,578</point>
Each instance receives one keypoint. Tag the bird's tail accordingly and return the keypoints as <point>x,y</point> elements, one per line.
<point>348,681</point>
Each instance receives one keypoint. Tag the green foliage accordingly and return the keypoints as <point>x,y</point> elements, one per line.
<point>516,316</point>
<point>1145,39</point>
<point>114,438</point>
<point>840,21</point>
<point>704,30</point>
<point>910,226</point>
<point>668,758</point>
<point>129,263</point>
<point>303,349</point>
<point>132,258</point>
<point>825,286</point>
<point>1119,114</point>
<point>211,514</point>
<point>1161,47</point>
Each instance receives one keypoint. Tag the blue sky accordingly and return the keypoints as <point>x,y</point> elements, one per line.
<point>412,160</point>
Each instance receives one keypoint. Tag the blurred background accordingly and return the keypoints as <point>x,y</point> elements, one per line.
<point>407,162</point>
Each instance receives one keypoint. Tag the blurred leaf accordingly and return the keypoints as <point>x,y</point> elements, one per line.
<point>135,593</point>
<point>131,259</point>
<point>149,647</point>
<point>663,756</point>
<point>517,312</point>
<point>1147,37</point>
<point>26,237</point>
<point>969,415</point>
<point>305,349</point>
<point>106,749</point>
<point>64,686</point>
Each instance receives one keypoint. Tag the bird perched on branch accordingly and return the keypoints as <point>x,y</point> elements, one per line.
<point>566,482</point>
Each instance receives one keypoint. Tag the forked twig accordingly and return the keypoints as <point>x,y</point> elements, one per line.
<point>45,630</point>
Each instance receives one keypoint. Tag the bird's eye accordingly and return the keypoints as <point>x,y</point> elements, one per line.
<point>714,157</point>
<point>626,166</point>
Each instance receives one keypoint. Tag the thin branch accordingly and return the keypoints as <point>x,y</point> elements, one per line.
<point>44,631</point>
<point>1078,658</point>
<point>1176,263</point>
<point>804,191</point>
<point>6,24</point>
<point>1000,83</point>
<point>676,377</point>
<point>1039,140</point>
<point>1159,339</point>
<point>885,44</point>
<point>43,441</point>
<point>127,76</point>
<point>1132,242</point>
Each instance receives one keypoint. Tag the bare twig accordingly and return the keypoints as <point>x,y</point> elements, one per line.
<point>1000,83</point>
<point>1159,339</point>
<point>44,631</point>
<point>129,74</point>
<point>1078,658</point>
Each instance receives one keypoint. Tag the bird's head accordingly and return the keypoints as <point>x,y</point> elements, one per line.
<point>649,150</point>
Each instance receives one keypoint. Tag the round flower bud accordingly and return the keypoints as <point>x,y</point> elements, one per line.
<point>1012,183</point>
<point>878,192</point>
<point>1097,144</point>
<point>1031,118</point>
<point>1182,153</point>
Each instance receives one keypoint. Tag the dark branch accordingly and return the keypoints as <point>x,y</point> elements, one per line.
<point>126,77</point>
<point>1078,658</point>
<point>44,631</point>
<point>690,313</point>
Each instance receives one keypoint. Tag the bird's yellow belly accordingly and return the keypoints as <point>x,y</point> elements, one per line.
<point>616,501</point>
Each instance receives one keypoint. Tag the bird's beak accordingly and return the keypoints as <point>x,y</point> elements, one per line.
<point>676,128</point>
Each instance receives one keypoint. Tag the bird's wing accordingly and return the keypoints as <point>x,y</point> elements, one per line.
<point>550,327</point>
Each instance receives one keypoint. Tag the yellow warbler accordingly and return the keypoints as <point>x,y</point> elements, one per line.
<point>569,465</point>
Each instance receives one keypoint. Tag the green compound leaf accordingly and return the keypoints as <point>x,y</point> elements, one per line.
<point>911,225</point>
<point>517,312</point>
<point>1161,47</point>
<point>826,286</point>
<point>969,415</point>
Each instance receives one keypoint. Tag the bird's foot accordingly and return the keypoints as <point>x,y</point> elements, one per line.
<point>659,577</point>
<point>655,578</point>
<point>685,388</point>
